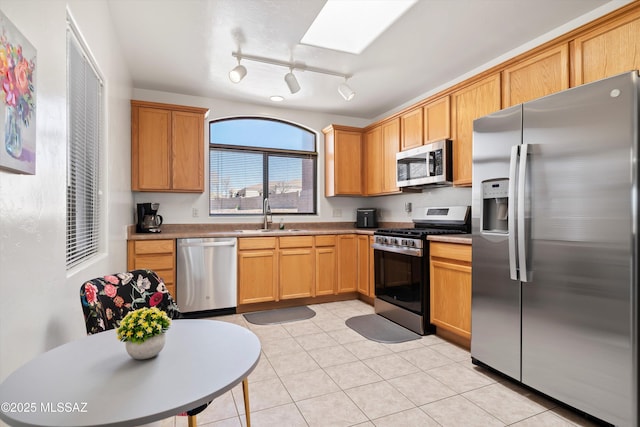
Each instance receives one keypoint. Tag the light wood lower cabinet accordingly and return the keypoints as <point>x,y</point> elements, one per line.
<point>257,270</point>
<point>156,255</point>
<point>347,263</point>
<point>326,265</point>
<point>365,266</point>
<point>289,267</point>
<point>296,266</point>
<point>450,265</point>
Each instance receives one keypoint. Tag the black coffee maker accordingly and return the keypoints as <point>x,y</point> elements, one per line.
<point>148,219</point>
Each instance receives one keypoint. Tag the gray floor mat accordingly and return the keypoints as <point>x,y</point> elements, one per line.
<point>377,328</point>
<point>280,315</point>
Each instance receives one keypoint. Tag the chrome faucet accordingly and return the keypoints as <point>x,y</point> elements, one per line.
<point>266,210</point>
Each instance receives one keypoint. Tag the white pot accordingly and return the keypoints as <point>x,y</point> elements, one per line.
<point>147,349</point>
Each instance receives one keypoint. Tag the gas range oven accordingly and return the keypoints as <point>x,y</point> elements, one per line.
<point>401,266</point>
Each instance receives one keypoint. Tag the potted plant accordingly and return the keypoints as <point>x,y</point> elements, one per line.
<point>142,331</point>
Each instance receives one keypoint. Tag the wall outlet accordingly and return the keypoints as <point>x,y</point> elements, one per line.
<point>407,207</point>
<point>195,213</point>
<point>337,213</point>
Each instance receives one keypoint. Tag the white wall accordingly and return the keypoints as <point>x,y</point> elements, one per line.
<point>177,208</point>
<point>39,300</point>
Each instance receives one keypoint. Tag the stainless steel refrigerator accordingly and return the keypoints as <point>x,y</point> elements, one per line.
<point>555,246</point>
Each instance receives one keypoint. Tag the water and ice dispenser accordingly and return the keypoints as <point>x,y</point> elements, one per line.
<point>495,206</point>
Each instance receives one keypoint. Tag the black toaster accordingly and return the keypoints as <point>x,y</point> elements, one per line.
<point>366,218</point>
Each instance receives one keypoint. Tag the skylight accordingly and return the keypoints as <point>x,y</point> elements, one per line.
<point>351,25</point>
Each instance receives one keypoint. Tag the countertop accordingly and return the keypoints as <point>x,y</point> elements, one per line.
<point>464,239</point>
<point>183,231</point>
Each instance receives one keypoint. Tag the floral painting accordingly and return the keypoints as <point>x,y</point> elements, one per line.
<point>18,106</point>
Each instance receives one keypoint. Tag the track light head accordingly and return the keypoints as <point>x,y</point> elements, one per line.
<point>346,92</point>
<point>292,82</point>
<point>237,73</point>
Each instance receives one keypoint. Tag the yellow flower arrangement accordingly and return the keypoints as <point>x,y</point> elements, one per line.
<point>142,324</point>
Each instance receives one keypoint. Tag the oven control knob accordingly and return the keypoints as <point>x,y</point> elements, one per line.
<point>395,241</point>
<point>411,243</point>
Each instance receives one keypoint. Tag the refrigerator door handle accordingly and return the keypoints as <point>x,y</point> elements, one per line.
<point>511,214</point>
<point>522,237</point>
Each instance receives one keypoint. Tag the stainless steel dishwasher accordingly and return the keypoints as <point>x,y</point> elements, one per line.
<point>206,274</point>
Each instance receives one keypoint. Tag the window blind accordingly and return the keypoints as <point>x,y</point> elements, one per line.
<point>252,159</point>
<point>84,113</point>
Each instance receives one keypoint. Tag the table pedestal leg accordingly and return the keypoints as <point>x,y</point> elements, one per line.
<point>192,421</point>
<point>245,392</point>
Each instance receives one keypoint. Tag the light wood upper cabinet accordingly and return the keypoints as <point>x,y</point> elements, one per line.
<point>610,49</point>
<point>380,147</point>
<point>167,147</point>
<point>343,161</point>
<point>150,148</point>
<point>437,120</point>
<point>187,167</point>
<point>428,123</point>
<point>373,155</point>
<point>390,147</point>
<point>411,128</point>
<point>468,104</point>
<point>540,75</point>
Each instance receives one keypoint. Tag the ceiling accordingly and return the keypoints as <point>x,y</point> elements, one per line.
<point>185,47</point>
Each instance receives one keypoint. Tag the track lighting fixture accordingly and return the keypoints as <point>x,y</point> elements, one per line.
<point>346,91</point>
<point>290,79</point>
<point>292,82</point>
<point>237,73</point>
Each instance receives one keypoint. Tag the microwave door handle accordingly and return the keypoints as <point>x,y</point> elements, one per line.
<point>511,213</point>
<point>431,163</point>
<point>523,238</point>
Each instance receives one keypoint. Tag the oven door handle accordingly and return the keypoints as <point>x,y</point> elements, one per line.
<point>417,252</point>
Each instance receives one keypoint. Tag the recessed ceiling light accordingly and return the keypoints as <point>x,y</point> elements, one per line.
<point>276,98</point>
<point>351,25</point>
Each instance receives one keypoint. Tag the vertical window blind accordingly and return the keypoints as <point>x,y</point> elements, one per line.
<point>84,130</point>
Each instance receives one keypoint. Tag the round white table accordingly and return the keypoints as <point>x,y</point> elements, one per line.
<point>94,382</point>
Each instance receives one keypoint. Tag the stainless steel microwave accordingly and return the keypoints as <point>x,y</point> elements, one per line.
<point>429,164</point>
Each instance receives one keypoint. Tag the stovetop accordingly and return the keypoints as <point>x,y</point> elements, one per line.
<point>444,220</point>
<point>416,233</point>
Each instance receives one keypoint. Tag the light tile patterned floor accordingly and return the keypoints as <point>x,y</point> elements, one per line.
<point>318,372</point>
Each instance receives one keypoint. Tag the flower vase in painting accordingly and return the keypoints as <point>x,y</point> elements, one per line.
<point>12,133</point>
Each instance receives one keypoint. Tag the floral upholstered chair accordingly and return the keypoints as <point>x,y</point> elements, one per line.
<point>106,300</point>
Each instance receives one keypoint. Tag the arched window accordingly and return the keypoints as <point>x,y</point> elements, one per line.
<point>251,159</point>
